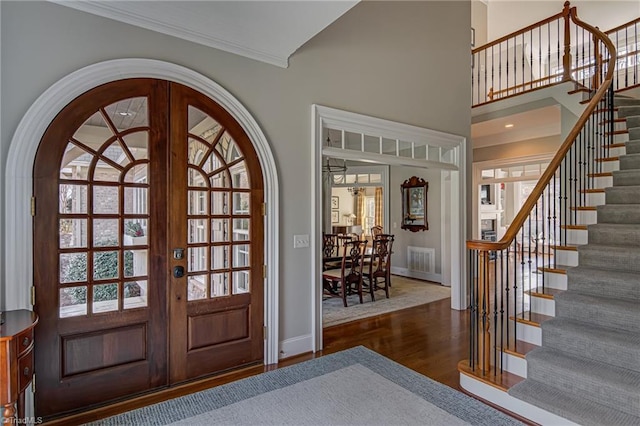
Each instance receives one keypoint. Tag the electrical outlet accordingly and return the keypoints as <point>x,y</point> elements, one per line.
<point>300,241</point>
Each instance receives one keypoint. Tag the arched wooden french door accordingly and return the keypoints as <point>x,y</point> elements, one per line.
<point>148,245</point>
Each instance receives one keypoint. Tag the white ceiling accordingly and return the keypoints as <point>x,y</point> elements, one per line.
<point>264,30</point>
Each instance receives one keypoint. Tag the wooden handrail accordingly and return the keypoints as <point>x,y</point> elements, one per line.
<point>623,26</point>
<point>544,180</point>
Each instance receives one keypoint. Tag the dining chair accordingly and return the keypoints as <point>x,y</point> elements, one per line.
<point>330,251</point>
<point>375,231</point>
<point>348,279</point>
<point>379,265</point>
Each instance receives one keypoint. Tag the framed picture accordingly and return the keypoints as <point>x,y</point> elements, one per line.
<point>335,216</point>
<point>335,202</point>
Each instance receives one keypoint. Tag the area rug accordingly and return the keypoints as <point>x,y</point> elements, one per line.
<point>404,293</point>
<point>355,386</point>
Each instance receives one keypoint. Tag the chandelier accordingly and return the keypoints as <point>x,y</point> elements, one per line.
<point>333,165</point>
<point>355,190</point>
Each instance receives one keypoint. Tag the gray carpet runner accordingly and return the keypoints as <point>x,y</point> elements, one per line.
<point>588,367</point>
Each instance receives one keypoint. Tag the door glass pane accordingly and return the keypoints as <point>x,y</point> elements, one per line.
<point>137,174</point>
<point>219,230</point>
<point>94,131</point>
<point>196,178</point>
<point>220,180</point>
<point>106,172</point>
<point>105,265</point>
<point>219,202</point>
<point>75,163</point>
<point>135,263</point>
<point>105,232</point>
<point>212,163</point>
<point>240,229</point>
<point>128,113</point>
<point>136,200</point>
<point>73,233</point>
<point>197,151</point>
<point>198,202</point>
<point>228,149</point>
<point>197,287</point>
<point>240,256</point>
<point>73,267</point>
<point>220,284</point>
<point>202,125</point>
<point>73,198</point>
<point>135,294</point>
<point>241,282</point>
<point>138,144</point>
<point>135,232</point>
<point>239,175</point>
<point>73,301</point>
<point>105,199</point>
<point>196,259</point>
<point>240,203</point>
<point>105,298</point>
<point>220,257</point>
<point>198,231</point>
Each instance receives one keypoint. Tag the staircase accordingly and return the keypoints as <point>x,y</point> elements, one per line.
<point>587,369</point>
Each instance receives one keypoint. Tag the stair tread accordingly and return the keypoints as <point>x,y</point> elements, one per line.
<point>605,159</point>
<point>531,318</point>
<point>573,407</point>
<point>592,191</point>
<point>519,348</point>
<point>546,292</point>
<point>578,227</point>
<point>500,380</point>
<point>568,247</point>
<point>557,268</point>
<point>584,208</point>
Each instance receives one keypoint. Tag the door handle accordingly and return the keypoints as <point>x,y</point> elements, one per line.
<point>178,272</point>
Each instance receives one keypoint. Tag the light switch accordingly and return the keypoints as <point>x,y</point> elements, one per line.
<point>300,241</point>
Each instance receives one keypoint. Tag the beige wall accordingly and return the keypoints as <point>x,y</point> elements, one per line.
<point>402,61</point>
<point>479,21</point>
<point>518,149</point>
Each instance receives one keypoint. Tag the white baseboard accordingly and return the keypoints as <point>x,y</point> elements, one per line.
<point>295,346</point>
<point>414,274</point>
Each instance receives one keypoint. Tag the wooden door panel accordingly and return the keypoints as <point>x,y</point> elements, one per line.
<point>217,306</point>
<point>101,294</point>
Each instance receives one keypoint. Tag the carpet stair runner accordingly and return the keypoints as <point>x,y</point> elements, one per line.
<point>587,369</point>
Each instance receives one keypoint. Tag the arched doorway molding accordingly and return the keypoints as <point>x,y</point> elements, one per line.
<point>24,144</point>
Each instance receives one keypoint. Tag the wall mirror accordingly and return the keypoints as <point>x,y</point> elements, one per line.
<point>414,204</point>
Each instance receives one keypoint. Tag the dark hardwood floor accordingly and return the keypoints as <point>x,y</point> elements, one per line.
<point>430,339</point>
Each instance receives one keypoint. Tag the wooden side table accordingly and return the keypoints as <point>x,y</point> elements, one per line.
<point>16,361</point>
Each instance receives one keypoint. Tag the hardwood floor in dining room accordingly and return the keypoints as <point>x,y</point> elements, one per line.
<point>430,339</point>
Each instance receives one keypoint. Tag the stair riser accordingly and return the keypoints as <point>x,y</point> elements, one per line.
<point>586,217</point>
<point>567,257</point>
<point>574,236</point>
<point>514,365</point>
<point>586,283</point>
<point>603,182</point>
<point>554,280</point>
<point>634,133</point>
<point>626,102</point>
<point>619,150</point>
<point>623,195</point>
<point>609,166</point>
<point>621,213</point>
<point>529,333</point>
<point>543,306</point>
<point>595,198</point>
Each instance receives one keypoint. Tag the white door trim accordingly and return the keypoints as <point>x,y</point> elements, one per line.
<point>24,144</point>
<point>455,229</point>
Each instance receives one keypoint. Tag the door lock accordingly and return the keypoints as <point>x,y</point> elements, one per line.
<point>178,253</point>
<point>178,272</point>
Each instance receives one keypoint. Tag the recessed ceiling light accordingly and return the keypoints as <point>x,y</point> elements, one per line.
<point>125,113</point>
<point>508,126</point>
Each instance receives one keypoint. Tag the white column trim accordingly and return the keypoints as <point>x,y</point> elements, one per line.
<point>25,141</point>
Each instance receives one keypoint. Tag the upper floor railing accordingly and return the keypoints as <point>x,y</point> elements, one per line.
<point>554,50</point>
<point>626,39</point>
